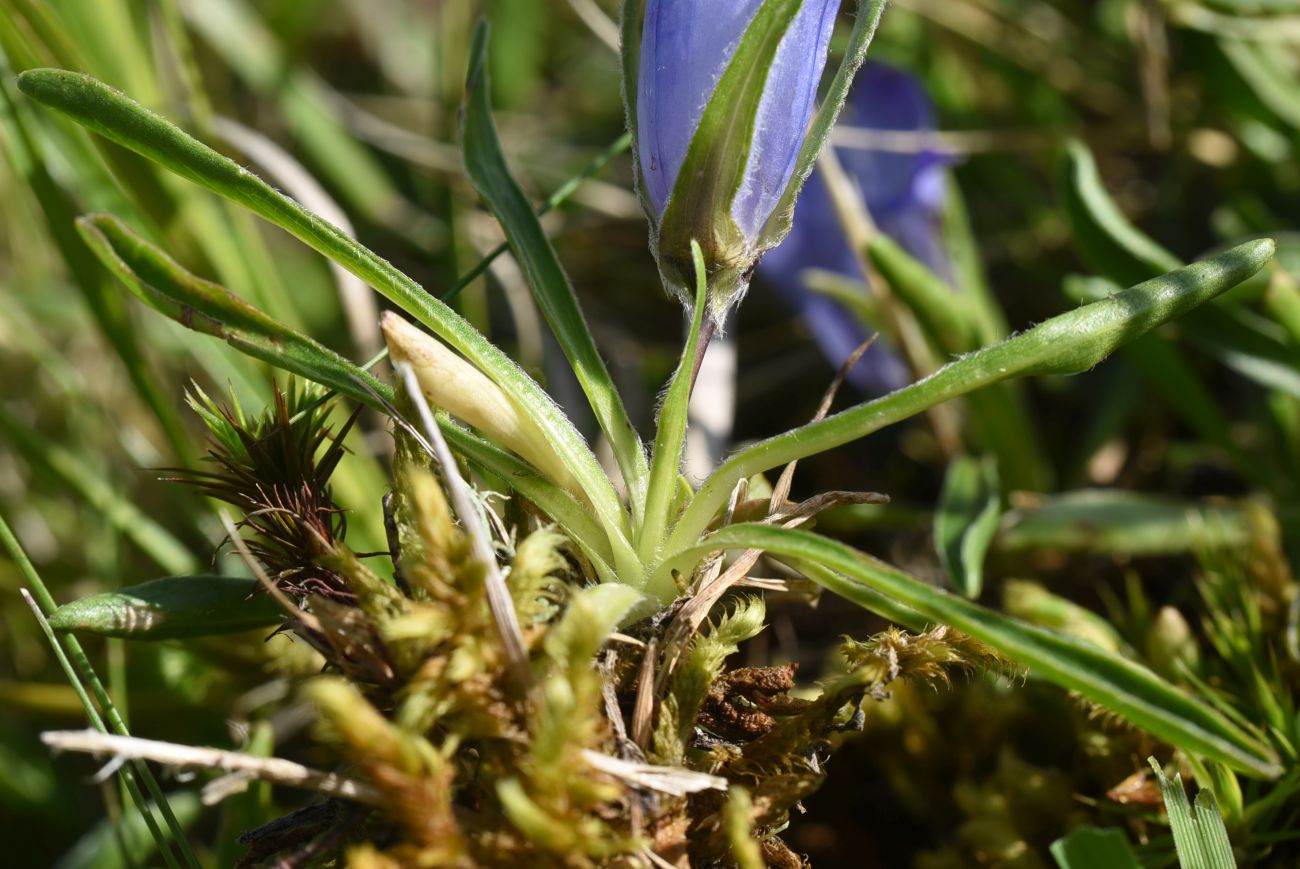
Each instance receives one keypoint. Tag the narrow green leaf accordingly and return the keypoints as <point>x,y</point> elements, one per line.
<point>966,521</point>
<point>1066,344</point>
<point>1109,243</point>
<point>171,608</point>
<point>670,437</point>
<point>211,309</point>
<point>162,284</point>
<point>112,114</point>
<point>942,314</point>
<point>1115,683</point>
<point>1095,848</point>
<point>552,291</point>
<point>1119,522</point>
<point>1199,834</point>
<point>99,847</point>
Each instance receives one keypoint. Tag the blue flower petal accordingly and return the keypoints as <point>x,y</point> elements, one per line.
<point>904,192</point>
<point>685,47</point>
<point>784,114</point>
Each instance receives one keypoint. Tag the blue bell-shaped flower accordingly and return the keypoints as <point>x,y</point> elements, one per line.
<point>721,95</point>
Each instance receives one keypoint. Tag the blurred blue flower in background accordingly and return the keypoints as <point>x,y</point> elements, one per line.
<point>903,189</point>
<point>686,47</point>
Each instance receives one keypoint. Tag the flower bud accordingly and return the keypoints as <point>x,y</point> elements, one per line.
<point>454,385</point>
<point>722,104</point>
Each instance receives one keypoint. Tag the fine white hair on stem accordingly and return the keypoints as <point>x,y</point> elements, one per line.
<point>503,609</point>
<point>271,769</point>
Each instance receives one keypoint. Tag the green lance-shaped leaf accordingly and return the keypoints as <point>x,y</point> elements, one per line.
<point>1252,346</point>
<point>1109,244</point>
<point>670,436</point>
<point>171,608</point>
<point>1067,344</point>
<point>1113,682</point>
<point>966,521</point>
<point>1095,848</point>
<point>550,285</point>
<point>162,284</point>
<point>112,114</point>
<point>211,309</point>
<point>1199,833</point>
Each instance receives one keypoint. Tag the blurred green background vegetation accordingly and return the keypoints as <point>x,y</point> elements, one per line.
<point>1192,111</point>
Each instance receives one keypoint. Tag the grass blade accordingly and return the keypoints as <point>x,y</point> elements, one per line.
<point>100,493</point>
<point>98,849</point>
<point>59,211</point>
<point>72,658</point>
<point>1199,834</point>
